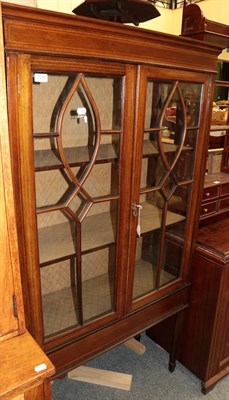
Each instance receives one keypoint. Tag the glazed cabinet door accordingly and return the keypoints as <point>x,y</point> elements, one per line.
<point>71,148</point>
<point>167,143</point>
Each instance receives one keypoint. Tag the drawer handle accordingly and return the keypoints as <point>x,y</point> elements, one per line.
<point>205,209</point>
<point>207,194</point>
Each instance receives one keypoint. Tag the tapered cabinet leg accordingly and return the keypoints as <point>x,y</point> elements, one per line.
<point>176,334</point>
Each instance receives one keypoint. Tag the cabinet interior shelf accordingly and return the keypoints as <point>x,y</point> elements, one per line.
<point>98,297</point>
<point>149,148</point>
<point>76,156</point>
<point>58,241</point>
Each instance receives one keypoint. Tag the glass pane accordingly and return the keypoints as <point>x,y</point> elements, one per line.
<point>172,247</point>
<point>148,245</point>
<point>45,96</point>
<point>98,267</point>
<point>57,236</point>
<point>183,169</point>
<point>168,104</point>
<point>52,187</point>
<point>103,179</point>
<point>79,135</point>
<point>98,283</point>
<point>156,97</point>
<point>191,93</point>
<point>166,208</point>
<point>172,258</point>
<point>59,296</point>
<point>153,169</point>
<point>146,263</point>
<point>179,202</point>
<point>107,92</point>
<point>169,145</point>
<point>99,226</point>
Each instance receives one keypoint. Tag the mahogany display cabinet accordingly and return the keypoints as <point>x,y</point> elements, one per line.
<point>108,127</point>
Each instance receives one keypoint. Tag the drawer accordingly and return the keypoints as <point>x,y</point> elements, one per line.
<point>225,189</point>
<point>210,192</point>
<point>208,208</point>
<point>224,203</point>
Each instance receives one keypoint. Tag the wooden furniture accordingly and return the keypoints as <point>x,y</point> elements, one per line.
<point>25,369</point>
<point>215,200</point>
<point>19,352</point>
<point>197,26</point>
<point>207,354</point>
<point>204,347</point>
<point>108,127</point>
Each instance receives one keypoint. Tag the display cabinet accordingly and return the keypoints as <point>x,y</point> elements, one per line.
<point>108,128</point>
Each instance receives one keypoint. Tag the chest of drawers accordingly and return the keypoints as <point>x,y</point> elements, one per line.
<point>204,340</point>
<point>215,200</point>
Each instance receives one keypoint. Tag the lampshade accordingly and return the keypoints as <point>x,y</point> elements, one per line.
<point>123,11</point>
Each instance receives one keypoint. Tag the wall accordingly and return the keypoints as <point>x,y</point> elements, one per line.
<point>169,21</point>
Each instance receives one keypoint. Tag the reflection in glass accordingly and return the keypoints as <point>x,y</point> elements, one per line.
<point>153,169</point>
<point>174,236</point>
<point>192,98</point>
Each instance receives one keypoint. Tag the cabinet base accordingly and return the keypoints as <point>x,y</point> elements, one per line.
<point>207,386</point>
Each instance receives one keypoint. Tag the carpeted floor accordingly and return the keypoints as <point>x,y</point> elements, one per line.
<point>151,379</point>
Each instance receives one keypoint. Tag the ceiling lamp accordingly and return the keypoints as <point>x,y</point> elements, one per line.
<point>123,11</point>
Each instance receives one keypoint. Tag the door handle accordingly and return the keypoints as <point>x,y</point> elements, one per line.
<point>136,210</point>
